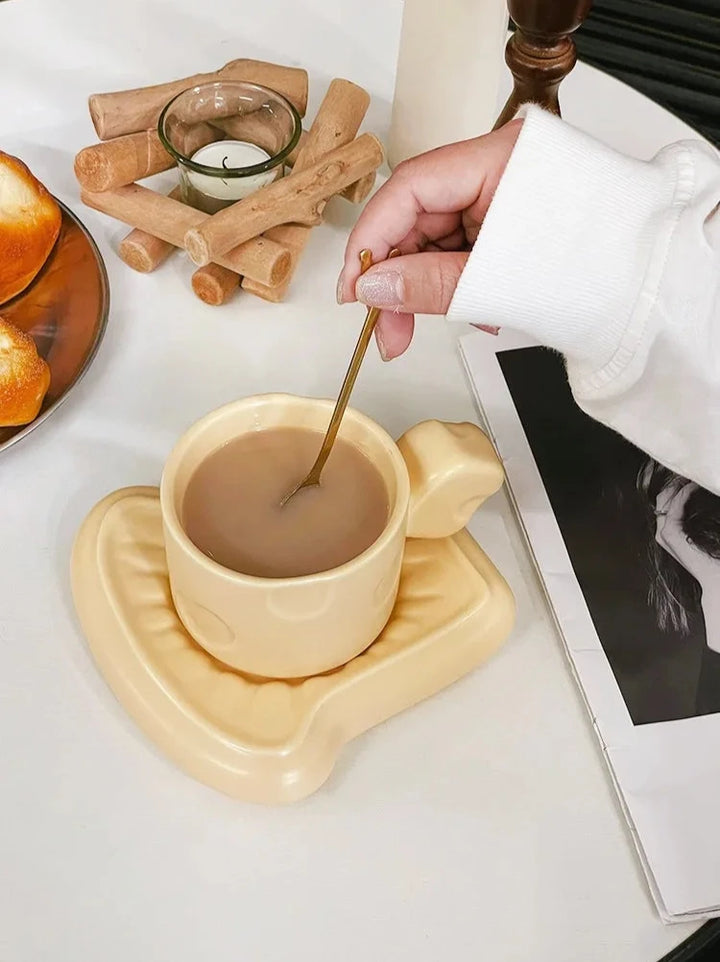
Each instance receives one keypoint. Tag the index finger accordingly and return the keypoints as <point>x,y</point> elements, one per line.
<point>446,180</point>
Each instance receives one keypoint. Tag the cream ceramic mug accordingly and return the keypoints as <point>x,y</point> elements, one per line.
<point>436,475</point>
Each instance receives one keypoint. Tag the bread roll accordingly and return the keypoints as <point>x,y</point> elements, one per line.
<point>24,377</point>
<point>29,225</point>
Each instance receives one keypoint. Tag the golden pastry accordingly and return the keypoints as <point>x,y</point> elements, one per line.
<point>29,225</point>
<point>24,377</point>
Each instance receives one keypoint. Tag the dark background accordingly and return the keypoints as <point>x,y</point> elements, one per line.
<point>668,49</point>
<point>589,473</point>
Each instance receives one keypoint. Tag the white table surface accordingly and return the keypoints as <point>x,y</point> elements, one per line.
<point>480,825</point>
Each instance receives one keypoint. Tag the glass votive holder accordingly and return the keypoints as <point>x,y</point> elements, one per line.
<point>228,140</point>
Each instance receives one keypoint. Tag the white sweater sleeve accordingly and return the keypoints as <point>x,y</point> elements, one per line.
<point>614,262</point>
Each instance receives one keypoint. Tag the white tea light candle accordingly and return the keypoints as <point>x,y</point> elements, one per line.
<point>264,127</point>
<point>230,154</point>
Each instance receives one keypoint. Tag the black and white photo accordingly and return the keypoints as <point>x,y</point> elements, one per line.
<point>644,545</point>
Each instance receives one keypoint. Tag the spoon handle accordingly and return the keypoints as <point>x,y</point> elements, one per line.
<point>345,392</point>
<point>350,377</point>
<point>313,476</point>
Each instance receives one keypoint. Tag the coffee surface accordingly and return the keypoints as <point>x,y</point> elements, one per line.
<point>232,512</point>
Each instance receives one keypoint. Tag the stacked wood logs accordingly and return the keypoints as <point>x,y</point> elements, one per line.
<point>255,243</point>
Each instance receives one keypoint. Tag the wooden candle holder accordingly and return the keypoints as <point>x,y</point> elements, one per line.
<point>256,242</point>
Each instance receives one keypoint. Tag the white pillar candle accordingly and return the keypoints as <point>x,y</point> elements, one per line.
<point>448,73</point>
<point>230,153</point>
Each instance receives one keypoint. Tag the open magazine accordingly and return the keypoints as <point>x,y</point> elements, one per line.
<point>629,556</point>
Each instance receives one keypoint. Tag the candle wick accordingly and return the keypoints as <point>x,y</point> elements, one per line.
<point>224,164</point>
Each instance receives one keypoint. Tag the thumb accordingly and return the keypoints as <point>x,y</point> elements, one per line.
<point>415,284</point>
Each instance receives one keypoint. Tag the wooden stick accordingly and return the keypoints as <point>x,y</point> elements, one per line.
<point>298,198</point>
<point>337,122</point>
<point>359,191</point>
<point>144,252</point>
<point>130,111</point>
<point>123,160</point>
<point>356,193</point>
<point>215,284</point>
<point>260,258</point>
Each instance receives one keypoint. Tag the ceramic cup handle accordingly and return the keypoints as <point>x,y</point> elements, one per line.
<point>453,468</point>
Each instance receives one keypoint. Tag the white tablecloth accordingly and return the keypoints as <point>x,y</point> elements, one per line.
<point>480,825</point>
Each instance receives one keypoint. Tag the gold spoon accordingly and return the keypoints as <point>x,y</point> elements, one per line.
<point>313,477</point>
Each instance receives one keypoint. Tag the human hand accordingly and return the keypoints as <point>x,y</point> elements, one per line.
<point>431,209</point>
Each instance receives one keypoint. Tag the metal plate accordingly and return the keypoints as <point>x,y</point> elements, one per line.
<point>65,310</point>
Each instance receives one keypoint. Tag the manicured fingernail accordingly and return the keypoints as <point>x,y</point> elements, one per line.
<point>341,289</point>
<point>381,346</point>
<point>487,328</point>
<point>380,289</point>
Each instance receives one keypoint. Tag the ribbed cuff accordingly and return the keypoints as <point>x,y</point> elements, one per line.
<point>566,244</point>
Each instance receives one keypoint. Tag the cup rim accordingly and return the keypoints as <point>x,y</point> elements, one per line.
<point>172,521</point>
<point>231,172</point>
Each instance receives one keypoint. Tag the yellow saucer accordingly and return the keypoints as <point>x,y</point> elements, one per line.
<point>267,740</point>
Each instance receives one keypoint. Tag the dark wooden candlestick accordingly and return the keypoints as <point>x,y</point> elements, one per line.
<point>541,51</point>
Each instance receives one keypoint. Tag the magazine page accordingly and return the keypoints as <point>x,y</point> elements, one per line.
<point>626,554</point>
